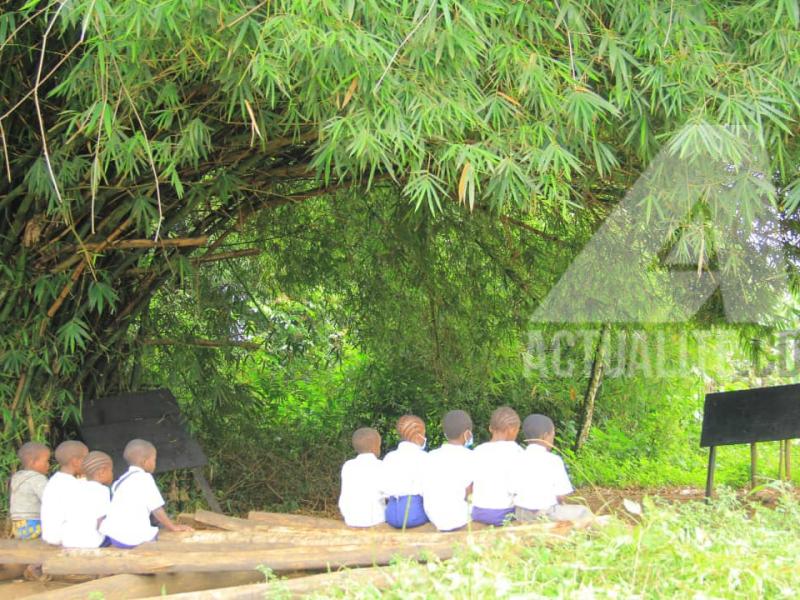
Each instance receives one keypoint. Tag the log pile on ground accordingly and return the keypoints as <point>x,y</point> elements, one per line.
<point>225,556</point>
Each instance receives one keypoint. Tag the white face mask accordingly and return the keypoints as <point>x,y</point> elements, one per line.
<point>469,441</point>
<point>424,443</point>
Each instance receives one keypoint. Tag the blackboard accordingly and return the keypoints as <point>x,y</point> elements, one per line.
<point>755,415</point>
<point>110,423</point>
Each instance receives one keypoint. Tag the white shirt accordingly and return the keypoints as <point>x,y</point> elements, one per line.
<point>495,464</point>
<point>403,470</point>
<point>540,478</point>
<point>361,502</point>
<point>134,496</point>
<point>447,476</point>
<point>91,503</point>
<point>57,497</point>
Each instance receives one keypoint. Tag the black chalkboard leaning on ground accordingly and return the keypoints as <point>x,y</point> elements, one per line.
<point>749,416</point>
<point>154,415</point>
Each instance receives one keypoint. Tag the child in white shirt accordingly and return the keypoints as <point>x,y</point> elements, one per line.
<point>494,463</point>
<point>61,490</point>
<point>26,490</point>
<point>135,497</point>
<point>448,477</point>
<point>361,502</point>
<point>402,475</point>
<point>90,504</point>
<point>541,478</point>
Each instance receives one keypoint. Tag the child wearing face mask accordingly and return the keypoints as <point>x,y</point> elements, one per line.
<point>448,478</point>
<point>402,475</point>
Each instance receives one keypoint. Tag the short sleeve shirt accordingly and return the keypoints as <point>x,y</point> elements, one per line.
<point>403,469</point>
<point>134,496</point>
<point>91,503</point>
<point>59,493</point>
<point>361,502</point>
<point>495,464</point>
<point>447,476</point>
<point>27,489</point>
<point>540,478</point>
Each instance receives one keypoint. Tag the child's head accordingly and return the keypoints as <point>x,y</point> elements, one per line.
<point>539,429</point>
<point>367,441</point>
<point>412,429</point>
<point>457,426</point>
<point>98,467</point>
<point>34,457</point>
<point>504,424</point>
<point>142,454</point>
<point>70,455</point>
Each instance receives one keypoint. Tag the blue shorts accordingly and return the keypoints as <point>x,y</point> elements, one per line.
<point>405,512</point>
<point>27,529</point>
<point>492,516</point>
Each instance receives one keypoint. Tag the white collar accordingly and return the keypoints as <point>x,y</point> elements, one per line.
<point>533,447</point>
<point>366,456</point>
<point>134,469</point>
<point>408,446</point>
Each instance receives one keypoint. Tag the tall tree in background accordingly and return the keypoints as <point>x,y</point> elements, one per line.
<point>136,134</point>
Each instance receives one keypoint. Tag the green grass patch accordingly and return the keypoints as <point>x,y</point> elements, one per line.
<point>730,549</point>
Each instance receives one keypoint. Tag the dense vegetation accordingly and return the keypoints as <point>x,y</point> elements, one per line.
<point>308,216</point>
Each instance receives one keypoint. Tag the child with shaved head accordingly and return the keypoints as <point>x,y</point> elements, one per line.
<point>541,479</point>
<point>494,463</point>
<point>402,475</point>
<point>361,502</point>
<point>61,490</point>
<point>135,497</point>
<point>448,478</point>
<point>27,488</point>
<point>90,504</point>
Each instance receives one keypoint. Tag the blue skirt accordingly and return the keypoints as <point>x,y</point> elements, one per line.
<point>405,512</point>
<point>491,516</point>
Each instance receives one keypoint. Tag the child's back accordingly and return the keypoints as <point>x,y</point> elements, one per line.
<point>26,490</point>
<point>361,501</point>
<point>494,463</point>
<point>61,490</point>
<point>403,471</point>
<point>449,474</point>
<point>91,502</point>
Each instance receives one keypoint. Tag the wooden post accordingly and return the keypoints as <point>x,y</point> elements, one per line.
<point>781,455</point>
<point>205,488</point>
<point>712,463</point>
<point>787,461</point>
<point>753,464</point>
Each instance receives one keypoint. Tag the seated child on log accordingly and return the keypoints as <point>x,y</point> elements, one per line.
<point>402,475</point>
<point>26,491</point>
<point>494,463</point>
<point>361,502</point>
<point>135,497</point>
<point>449,473</point>
<point>90,504</point>
<point>61,489</point>
<point>541,479</point>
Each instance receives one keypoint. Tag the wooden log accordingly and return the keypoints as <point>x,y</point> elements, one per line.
<point>25,552</point>
<point>109,562</point>
<point>284,519</point>
<point>378,577</point>
<point>124,587</point>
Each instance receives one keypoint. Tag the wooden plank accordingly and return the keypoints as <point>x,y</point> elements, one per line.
<point>109,562</point>
<point>124,587</point>
<point>378,577</point>
<point>285,519</point>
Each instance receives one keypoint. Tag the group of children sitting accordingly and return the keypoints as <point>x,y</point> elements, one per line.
<point>75,507</point>
<point>496,482</point>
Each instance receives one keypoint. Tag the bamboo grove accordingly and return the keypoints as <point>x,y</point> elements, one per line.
<point>136,137</point>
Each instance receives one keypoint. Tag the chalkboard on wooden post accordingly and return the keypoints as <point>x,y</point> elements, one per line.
<point>110,423</point>
<point>767,414</point>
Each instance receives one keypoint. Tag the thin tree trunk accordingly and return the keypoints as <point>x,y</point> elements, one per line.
<point>595,379</point>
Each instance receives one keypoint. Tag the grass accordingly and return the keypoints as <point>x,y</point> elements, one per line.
<point>731,549</point>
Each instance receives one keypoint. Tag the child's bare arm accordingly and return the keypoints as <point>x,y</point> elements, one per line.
<point>161,516</point>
